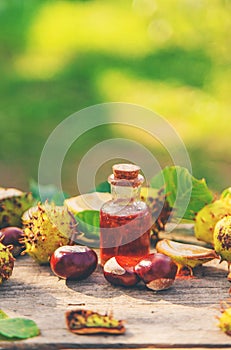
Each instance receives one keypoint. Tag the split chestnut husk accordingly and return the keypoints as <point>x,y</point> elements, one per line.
<point>185,254</point>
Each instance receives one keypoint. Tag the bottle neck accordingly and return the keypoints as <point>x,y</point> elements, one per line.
<point>125,190</point>
<point>125,193</point>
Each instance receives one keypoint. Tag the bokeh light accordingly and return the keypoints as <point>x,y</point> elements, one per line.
<point>172,56</point>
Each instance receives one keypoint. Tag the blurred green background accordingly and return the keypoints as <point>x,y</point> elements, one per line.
<point>57,57</point>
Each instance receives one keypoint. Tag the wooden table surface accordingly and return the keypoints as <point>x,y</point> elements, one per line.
<point>182,317</point>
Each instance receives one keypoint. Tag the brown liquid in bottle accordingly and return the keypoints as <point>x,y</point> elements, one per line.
<point>125,221</point>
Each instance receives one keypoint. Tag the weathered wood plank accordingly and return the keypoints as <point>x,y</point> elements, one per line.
<point>183,316</point>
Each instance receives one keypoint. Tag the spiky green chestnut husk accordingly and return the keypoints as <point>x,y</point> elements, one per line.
<point>225,319</point>
<point>13,203</point>
<point>222,238</point>
<point>226,194</point>
<point>207,218</point>
<point>6,263</point>
<point>46,228</point>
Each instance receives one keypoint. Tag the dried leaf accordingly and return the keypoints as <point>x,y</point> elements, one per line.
<point>89,322</point>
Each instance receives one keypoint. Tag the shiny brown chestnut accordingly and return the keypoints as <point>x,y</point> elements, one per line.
<point>157,270</point>
<point>120,271</point>
<point>73,262</point>
<point>12,235</point>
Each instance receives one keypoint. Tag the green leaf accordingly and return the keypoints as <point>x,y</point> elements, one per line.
<point>88,223</point>
<point>20,328</point>
<point>47,192</point>
<point>186,194</point>
<point>103,187</point>
<point>3,315</point>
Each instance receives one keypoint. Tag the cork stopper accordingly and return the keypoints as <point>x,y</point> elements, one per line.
<point>125,171</point>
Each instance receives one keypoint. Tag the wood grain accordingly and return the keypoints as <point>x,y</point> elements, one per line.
<point>183,316</point>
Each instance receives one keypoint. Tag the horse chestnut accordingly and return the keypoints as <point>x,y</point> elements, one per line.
<point>73,262</point>
<point>119,270</point>
<point>11,236</point>
<point>157,270</point>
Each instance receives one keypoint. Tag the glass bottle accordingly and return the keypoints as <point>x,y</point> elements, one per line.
<point>125,221</point>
